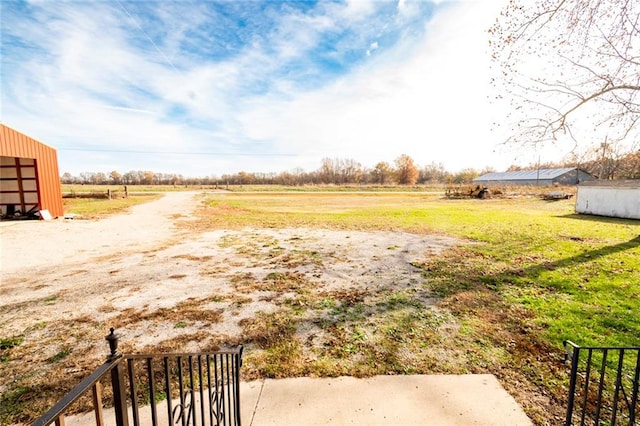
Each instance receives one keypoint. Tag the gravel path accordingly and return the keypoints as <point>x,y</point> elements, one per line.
<point>36,244</point>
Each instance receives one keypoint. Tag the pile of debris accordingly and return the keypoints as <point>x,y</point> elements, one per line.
<point>481,192</point>
<point>16,214</point>
<point>556,195</point>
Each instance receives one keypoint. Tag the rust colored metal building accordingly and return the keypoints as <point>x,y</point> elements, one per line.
<point>29,178</point>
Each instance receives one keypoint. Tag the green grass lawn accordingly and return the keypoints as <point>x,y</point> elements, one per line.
<point>90,208</point>
<point>530,274</point>
<point>579,275</point>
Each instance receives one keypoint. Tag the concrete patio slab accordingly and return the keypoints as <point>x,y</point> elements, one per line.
<point>447,400</point>
<point>384,400</point>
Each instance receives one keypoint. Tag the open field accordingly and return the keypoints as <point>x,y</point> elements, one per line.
<point>93,208</point>
<point>331,284</point>
<point>77,188</point>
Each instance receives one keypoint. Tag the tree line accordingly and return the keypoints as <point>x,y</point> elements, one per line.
<point>332,171</point>
<point>603,162</point>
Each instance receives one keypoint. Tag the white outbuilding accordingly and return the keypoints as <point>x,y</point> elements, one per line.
<point>609,198</point>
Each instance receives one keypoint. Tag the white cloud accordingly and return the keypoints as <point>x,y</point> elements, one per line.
<point>432,105</point>
<point>373,46</point>
<point>358,9</point>
<point>427,100</point>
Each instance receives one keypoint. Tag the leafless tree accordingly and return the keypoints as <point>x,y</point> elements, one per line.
<point>115,177</point>
<point>434,172</point>
<point>606,162</point>
<point>67,178</point>
<point>571,69</point>
<point>329,170</point>
<point>350,171</point>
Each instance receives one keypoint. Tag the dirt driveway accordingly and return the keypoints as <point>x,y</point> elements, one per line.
<point>169,287</point>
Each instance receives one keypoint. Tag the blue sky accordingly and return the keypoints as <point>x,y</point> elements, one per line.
<point>204,88</point>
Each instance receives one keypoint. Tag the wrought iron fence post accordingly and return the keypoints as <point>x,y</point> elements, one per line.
<point>221,376</point>
<point>117,381</point>
<point>238,364</point>
<point>575,356</point>
<point>634,392</point>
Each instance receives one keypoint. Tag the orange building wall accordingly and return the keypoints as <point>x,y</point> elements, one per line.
<point>16,144</point>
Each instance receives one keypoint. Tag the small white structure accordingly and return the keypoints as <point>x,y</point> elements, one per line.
<point>609,198</point>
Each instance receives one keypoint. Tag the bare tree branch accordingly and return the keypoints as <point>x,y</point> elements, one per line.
<point>581,62</point>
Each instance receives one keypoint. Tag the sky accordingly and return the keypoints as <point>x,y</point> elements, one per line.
<point>205,88</point>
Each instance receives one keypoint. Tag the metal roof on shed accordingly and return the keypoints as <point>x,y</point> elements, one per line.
<point>629,183</point>
<point>542,174</point>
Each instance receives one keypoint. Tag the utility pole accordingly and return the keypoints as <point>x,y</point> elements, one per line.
<point>603,145</point>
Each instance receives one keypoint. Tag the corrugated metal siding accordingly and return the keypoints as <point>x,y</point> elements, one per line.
<point>566,176</point>
<point>540,182</point>
<point>529,175</point>
<point>16,144</point>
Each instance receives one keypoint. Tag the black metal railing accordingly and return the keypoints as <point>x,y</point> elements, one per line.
<point>603,385</point>
<point>174,389</point>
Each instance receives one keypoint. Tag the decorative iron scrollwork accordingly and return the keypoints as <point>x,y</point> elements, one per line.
<point>182,408</point>
<point>217,403</point>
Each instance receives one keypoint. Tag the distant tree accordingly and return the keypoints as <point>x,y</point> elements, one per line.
<point>432,173</point>
<point>129,178</point>
<point>226,179</point>
<point>382,173</point>
<point>572,68</point>
<point>299,176</point>
<point>286,178</point>
<point>631,166</point>
<point>486,170</point>
<point>350,171</point>
<point>176,179</point>
<point>245,178</point>
<point>606,162</point>
<point>99,178</point>
<point>609,161</point>
<point>147,177</point>
<point>406,171</point>
<point>67,178</point>
<point>338,171</point>
<point>87,177</point>
<point>465,176</point>
<point>328,171</point>
<point>115,177</point>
